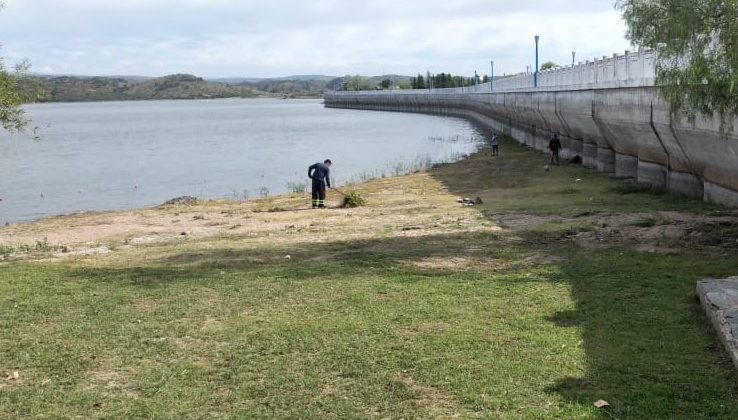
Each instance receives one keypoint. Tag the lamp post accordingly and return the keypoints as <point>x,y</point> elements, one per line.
<point>535,75</point>
<point>492,77</point>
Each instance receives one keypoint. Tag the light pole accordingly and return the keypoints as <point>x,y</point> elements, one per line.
<point>535,75</point>
<point>492,77</point>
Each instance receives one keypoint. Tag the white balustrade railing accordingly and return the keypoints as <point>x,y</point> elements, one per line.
<point>620,70</point>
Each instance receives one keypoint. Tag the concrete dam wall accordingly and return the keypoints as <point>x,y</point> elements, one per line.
<point>627,131</point>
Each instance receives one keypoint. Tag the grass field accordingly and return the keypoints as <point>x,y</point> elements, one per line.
<point>563,288</point>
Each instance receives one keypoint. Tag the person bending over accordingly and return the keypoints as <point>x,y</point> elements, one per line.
<point>320,174</point>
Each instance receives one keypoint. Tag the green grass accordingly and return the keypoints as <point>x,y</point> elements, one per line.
<point>471,324</point>
<point>518,182</point>
<point>364,333</point>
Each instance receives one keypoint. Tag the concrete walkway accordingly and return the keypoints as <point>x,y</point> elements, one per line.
<point>720,300</point>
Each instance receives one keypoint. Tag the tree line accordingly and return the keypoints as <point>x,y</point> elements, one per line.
<point>435,81</point>
<point>445,81</point>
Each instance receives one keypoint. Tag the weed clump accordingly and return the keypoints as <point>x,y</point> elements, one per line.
<point>353,199</point>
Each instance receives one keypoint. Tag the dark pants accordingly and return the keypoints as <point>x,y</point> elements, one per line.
<point>495,150</point>
<point>555,156</point>
<point>318,193</point>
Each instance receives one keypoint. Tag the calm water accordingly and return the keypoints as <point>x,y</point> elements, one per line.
<point>122,155</point>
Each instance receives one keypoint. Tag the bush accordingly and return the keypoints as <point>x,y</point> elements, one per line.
<point>353,199</point>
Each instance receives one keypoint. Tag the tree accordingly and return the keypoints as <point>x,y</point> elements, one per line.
<point>696,44</point>
<point>386,83</point>
<point>12,117</point>
<point>418,82</point>
<point>356,83</point>
<point>549,65</point>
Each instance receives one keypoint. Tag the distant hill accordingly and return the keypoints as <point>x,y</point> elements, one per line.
<point>177,86</point>
<point>186,86</point>
<point>239,80</point>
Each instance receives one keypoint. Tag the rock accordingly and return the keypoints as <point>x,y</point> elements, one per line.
<point>182,201</point>
<point>478,201</point>
<point>601,404</point>
<point>198,217</point>
<point>460,200</point>
<point>719,299</point>
<point>183,234</point>
<point>288,257</point>
<point>409,228</point>
<point>547,168</point>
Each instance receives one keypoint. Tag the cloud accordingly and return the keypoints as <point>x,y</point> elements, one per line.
<point>281,37</point>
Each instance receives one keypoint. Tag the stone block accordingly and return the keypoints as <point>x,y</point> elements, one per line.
<point>719,298</point>
<point>605,160</point>
<point>652,174</point>
<point>589,155</point>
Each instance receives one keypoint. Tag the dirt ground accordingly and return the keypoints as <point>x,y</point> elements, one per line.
<point>418,204</point>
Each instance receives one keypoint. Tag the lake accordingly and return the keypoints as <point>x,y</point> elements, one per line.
<point>124,155</point>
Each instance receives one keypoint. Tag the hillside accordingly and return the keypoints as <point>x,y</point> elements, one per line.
<point>178,86</point>
<point>69,88</point>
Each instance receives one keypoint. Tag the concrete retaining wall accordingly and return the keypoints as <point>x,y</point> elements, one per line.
<point>627,131</point>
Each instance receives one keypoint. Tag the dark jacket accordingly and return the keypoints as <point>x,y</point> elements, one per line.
<point>555,144</point>
<point>320,172</point>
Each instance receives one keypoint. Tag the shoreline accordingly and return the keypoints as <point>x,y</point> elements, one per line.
<point>204,219</point>
<point>233,98</point>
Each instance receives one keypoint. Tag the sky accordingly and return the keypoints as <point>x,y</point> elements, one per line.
<point>274,38</point>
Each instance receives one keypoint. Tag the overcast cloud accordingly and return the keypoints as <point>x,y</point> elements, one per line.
<point>218,38</point>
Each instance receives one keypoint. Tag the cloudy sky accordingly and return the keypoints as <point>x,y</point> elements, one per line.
<point>257,38</point>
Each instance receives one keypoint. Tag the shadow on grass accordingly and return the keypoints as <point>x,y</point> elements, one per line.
<point>307,261</point>
<point>650,351</point>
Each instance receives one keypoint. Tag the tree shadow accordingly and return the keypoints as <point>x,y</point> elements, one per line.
<point>306,261</point>
<point>649,349</point>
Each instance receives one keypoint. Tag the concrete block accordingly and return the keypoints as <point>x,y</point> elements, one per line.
<point>576,147</point>
<point>716,194</point>
<point>685,183</point>
<point>652,174</point>
<point>719,299</point>
<point>566,148</point>
<point>626,166</point>
<point>589,155</point>
<point>542,140</point>
<point>605,160</point>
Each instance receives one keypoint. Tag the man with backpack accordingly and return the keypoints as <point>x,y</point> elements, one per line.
<point>320,174</point>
